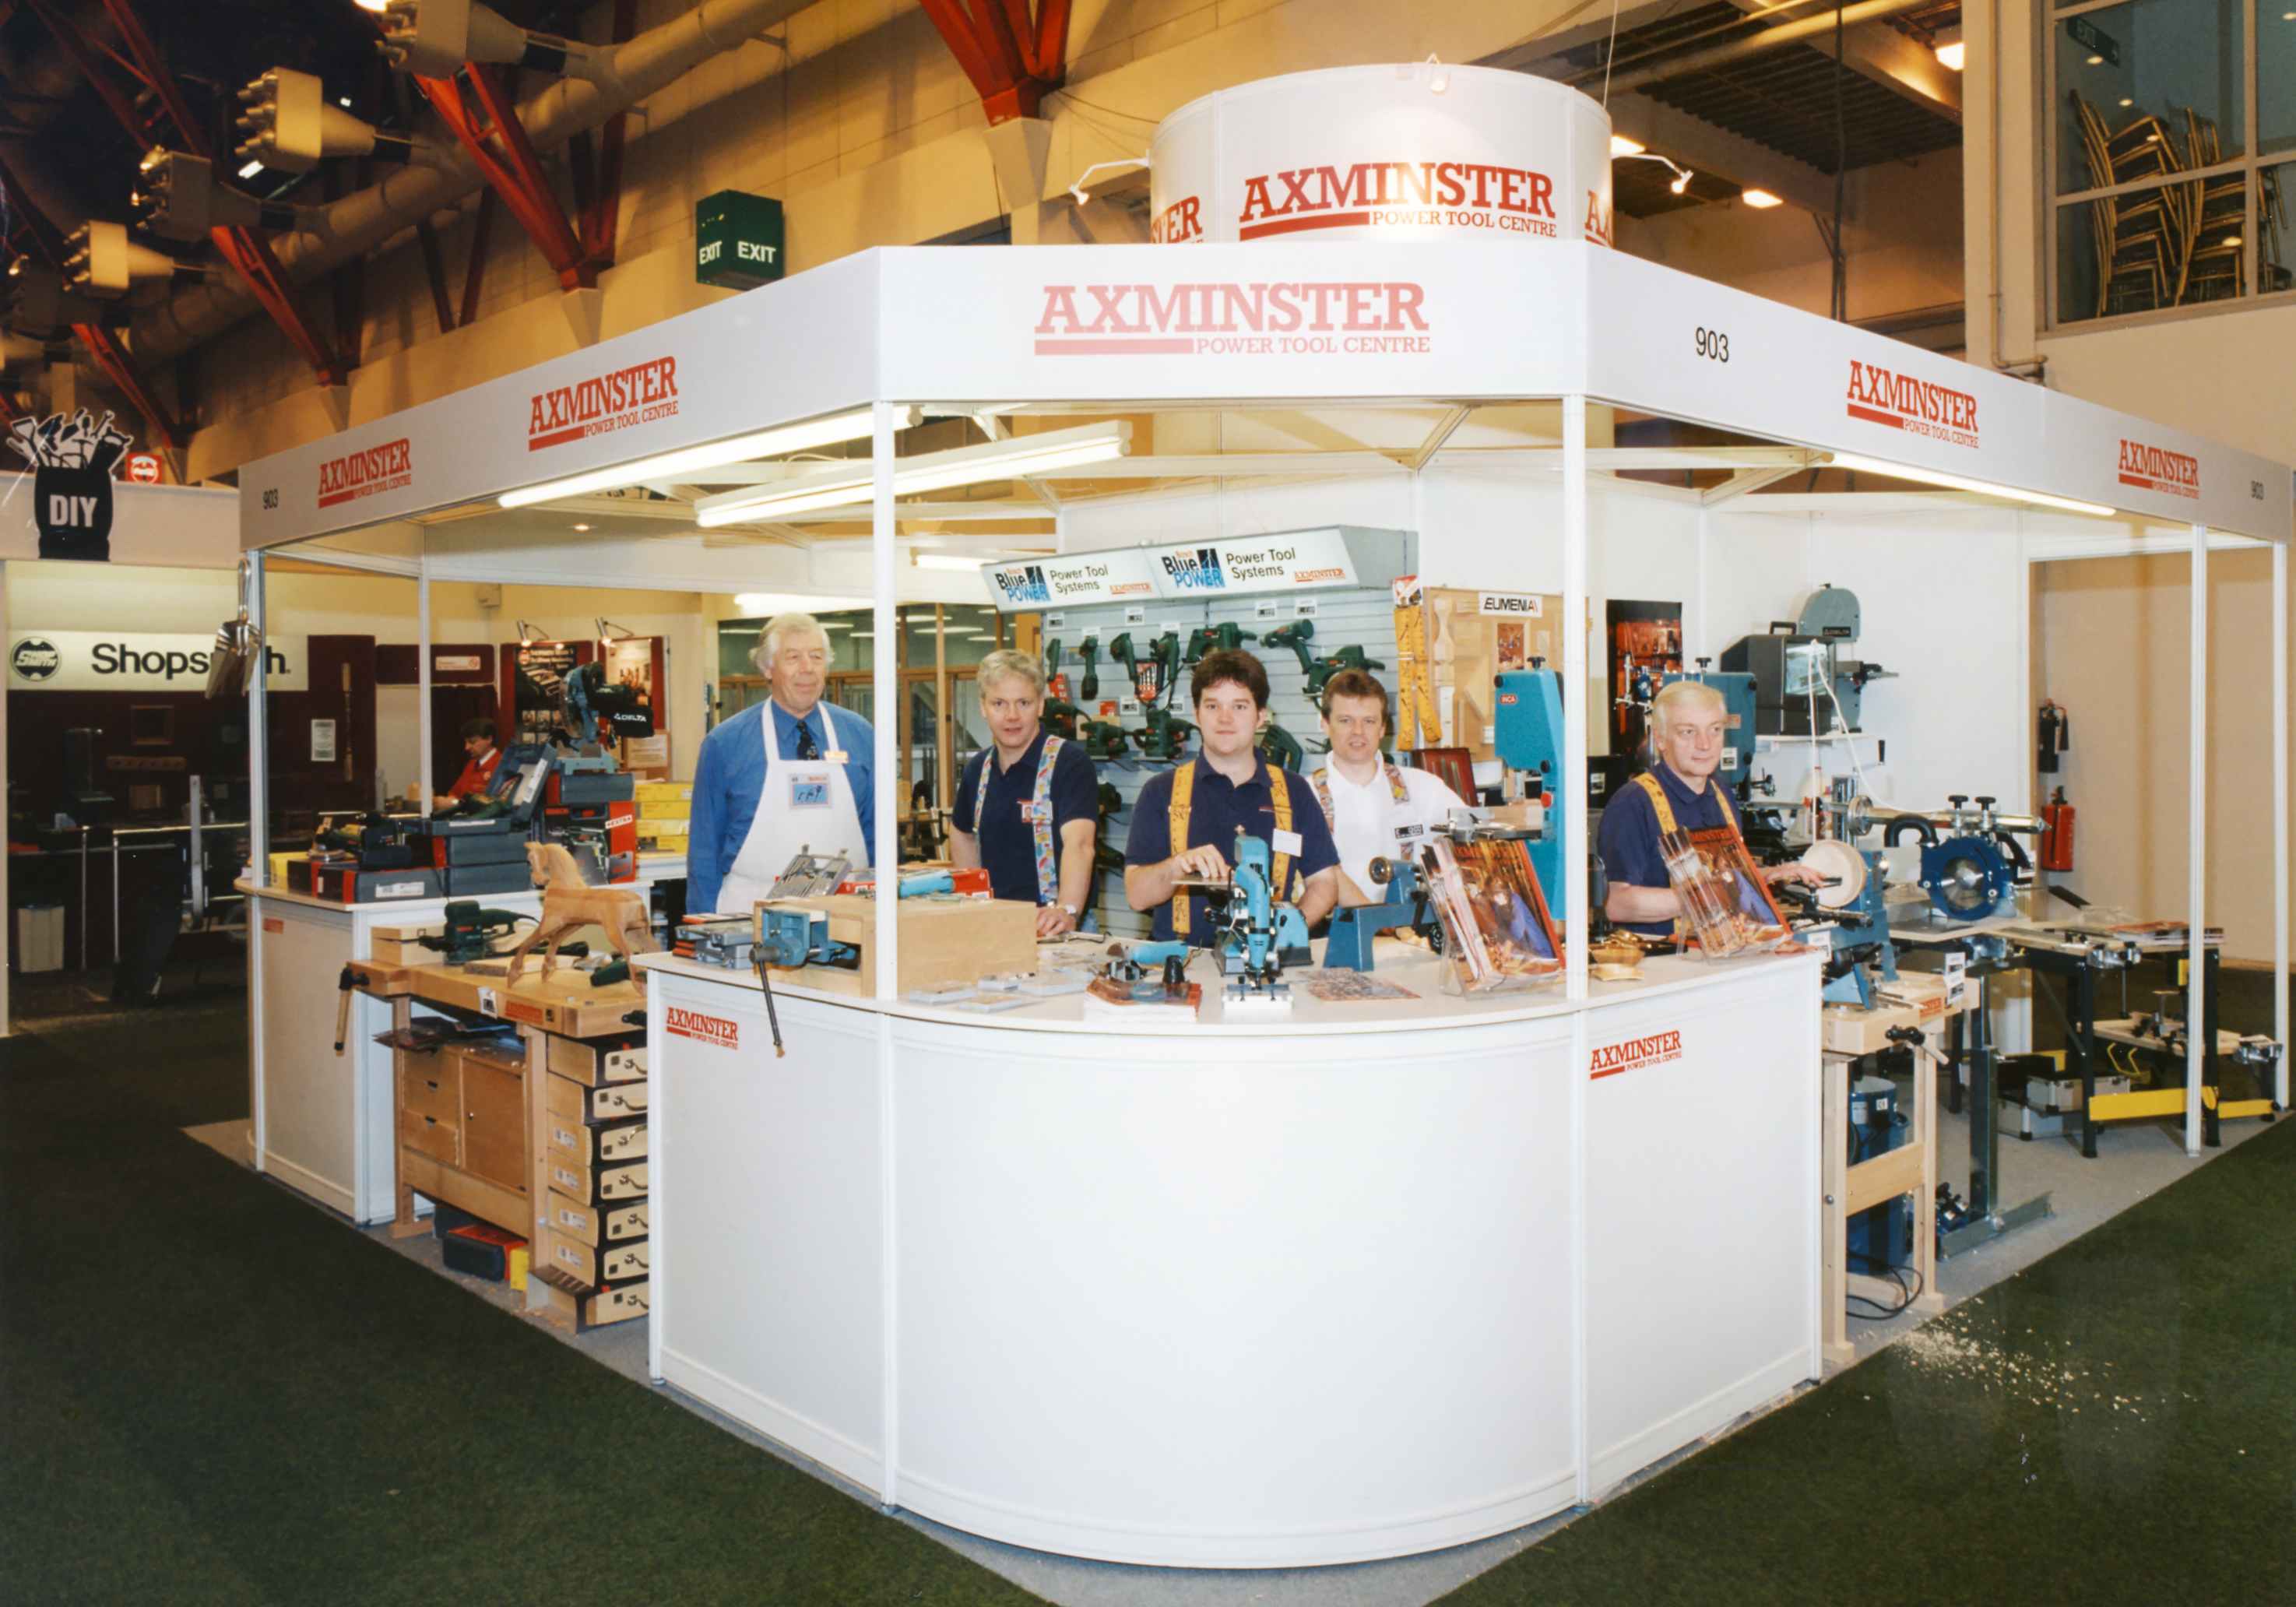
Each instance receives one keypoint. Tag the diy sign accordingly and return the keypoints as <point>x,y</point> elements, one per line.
<point>72,459</point>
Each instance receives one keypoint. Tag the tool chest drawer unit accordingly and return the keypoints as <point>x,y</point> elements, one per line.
<point>545,1137</point>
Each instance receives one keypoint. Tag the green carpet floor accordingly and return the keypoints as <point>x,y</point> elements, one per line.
<point>210,1392</point>
<point>2116,1424</point>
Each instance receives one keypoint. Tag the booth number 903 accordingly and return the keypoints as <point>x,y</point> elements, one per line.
<point>1713,343</point>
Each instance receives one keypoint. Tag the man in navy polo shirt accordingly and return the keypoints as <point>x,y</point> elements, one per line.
<point>1209,797</point>
<point>1677,793</point>
<point>1028,805</point>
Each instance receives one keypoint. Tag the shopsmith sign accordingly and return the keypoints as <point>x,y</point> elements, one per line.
<point>1266,318</point>
<point>2156,468</point>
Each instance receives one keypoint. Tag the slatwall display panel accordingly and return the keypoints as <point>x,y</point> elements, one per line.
<point>1354,616</point>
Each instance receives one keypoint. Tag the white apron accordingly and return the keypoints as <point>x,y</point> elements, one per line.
<point>806,805</point>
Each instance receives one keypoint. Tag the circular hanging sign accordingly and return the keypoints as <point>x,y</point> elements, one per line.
<point>142,469</point>
<point>1415,152</point>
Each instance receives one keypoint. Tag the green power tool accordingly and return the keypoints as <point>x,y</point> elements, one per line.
<point>1088,651</point>
<point>471,932</point>
<point>1120,649</point>
<point>1214,638</point>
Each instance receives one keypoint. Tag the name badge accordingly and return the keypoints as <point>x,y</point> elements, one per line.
<point>836,756</point>
<point>808,793</point>
<point>1405,833</point>
<point>1033,810</point>
<point>1284,842</point>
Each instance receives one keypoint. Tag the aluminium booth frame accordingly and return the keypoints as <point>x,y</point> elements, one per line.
<point>1449,328</point>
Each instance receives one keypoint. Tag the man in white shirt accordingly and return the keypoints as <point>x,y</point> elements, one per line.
<point>1376,809</point>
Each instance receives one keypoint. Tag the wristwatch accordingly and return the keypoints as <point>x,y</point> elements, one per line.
<point>1070,910</point>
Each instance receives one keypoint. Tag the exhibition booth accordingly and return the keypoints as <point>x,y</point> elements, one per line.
<point>1344,1278</point>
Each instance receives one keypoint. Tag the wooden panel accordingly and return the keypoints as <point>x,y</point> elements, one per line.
<point>494,1124</point>
<point>430,1087</point>
<point>489,1203</point>
<point>434,1136</point>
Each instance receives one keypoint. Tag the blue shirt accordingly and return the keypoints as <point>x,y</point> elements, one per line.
<point>731,773</point>
<point>1008,842</point>
<point>1217,807</point>
<point>1627,838</point>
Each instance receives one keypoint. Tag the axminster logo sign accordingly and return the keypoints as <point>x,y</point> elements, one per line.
<point>709,1029</point>
<point>358,474</point>
<point>1459,195</point>
<point>2155,469</point>
<point>1634,1054</point>
<point>1882,396</point>
<point>636,395</point>
<point>1217,320</point>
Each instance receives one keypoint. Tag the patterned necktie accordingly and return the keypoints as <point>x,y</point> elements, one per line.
<point>807,747</point>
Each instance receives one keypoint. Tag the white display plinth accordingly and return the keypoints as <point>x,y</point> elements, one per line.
<point>1366,1280</point>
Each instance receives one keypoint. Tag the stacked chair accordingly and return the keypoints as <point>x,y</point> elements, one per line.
<point>2179,243</point>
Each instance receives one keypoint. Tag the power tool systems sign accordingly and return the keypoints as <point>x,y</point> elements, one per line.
<point>1090,578</point>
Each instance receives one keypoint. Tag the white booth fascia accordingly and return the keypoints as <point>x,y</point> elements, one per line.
<point>1134,330</point>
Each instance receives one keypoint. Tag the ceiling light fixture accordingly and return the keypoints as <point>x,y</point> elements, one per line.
<point>762,604</point>
<point>1954,482</point>
<point>672,465</point>
<point>250,170</point>
<point>1952,55</point>
<point>1758,198</point>
<point>2097,61</point>
<point>1620,145</point>
<point>846,485</point>
<point>941,561</point>
<point>581,527</point>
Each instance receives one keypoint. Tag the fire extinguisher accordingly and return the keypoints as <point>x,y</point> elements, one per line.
<point>2056,731</point>
<point>2057,834</point>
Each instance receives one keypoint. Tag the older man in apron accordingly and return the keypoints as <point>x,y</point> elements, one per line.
<point>789,776</point>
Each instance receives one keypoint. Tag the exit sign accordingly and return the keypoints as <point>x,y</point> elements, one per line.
<point>737,241</point>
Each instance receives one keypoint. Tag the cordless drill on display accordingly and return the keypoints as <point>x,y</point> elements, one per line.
<point>1280,748</point>
<point>1063,716</point>
<point>1321,671</point>
<point>1089,652</point>
<point>1214,638</point>
<point>1103,739</point>
<point>1165,655</point>
<point>1121,651</point>
<point>1166,737</point>
<point>1054,685</point>
<point>1296,637</point>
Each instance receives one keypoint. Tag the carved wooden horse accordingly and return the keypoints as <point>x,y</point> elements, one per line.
<point>568,905</point>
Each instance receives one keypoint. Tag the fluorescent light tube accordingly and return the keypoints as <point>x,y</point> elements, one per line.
<point>1954,482</point>
<point>1952,55</point>
<point>668,466</point>
<point>937,561</point>
<point>842,487</point>
<point>1758,198</point>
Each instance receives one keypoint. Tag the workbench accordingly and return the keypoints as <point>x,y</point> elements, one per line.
<point>490,1139</point>
<point>322,1122</point>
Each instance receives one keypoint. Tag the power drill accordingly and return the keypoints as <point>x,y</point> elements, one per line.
<point>1279,747</point>
<point>1320,672</point>
<point>1088,651</point>
<point>1166,737</point>
<point>470,930</point>
<point>1120,649</point>
<point>1165,654</point>
<point>1296,637</point>
<point>1053,685</point>
<point>1102,738</point>
<point>1214,638</point>
<point>1062,716</point>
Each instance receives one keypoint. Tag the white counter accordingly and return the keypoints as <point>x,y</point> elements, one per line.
<point>1376,1279</point>
<point>322,1122</point>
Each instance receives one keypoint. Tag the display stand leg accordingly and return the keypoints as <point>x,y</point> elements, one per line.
<point>404,1223</point>
<point>1984,1109</point>
<point>1953,1027</point>
<point>2084,1029</point>
<point>2212,1090</point>
<point>1930,1301</point>
<point>563,1314</point>
<point>1833,1221</point>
